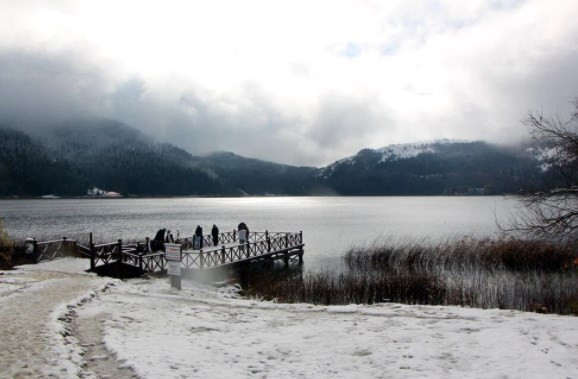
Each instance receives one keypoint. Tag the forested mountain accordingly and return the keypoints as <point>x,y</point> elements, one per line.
<point>256,177</point>
<point>113,156</point>
<point>435,168</point>
<point>70,159</point>
<point>28,168</point>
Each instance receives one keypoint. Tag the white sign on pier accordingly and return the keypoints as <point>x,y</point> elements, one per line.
<point>174,268</point>
<point>173,257</point>
<point>173,252</point>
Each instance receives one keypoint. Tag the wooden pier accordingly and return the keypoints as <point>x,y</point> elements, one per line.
<point>229,253</point>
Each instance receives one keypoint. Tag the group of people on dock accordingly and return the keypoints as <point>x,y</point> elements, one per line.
<point>163,236</point>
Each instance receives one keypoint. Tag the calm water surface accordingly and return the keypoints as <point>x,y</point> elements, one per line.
<point>330,224</point>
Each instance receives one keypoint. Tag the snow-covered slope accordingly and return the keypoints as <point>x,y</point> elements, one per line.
<point>392,153</point>
<point>410,150</point>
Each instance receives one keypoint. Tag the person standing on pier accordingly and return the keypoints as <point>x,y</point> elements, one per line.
<point>169,237</point>
<point>243,233</point>
<point>199,236</point>
<point>159,240</point>
<point>215,235</point>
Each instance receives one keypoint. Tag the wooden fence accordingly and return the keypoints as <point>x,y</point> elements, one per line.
<point>259,246</point>
<point>263,247</point>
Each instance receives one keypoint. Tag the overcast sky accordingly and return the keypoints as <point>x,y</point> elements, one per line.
<point>298,82</point>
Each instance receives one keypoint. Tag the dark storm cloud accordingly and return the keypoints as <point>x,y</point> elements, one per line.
<point>37,90</point>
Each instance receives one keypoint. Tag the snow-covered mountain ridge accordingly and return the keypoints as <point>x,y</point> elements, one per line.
<point>395,152</point>
<point>410,150</point>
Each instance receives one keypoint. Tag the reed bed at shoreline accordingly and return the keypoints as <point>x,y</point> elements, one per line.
<point>6,248</point>
<point>502,273</point>
<point>464,254</point>
<point>6,253</point>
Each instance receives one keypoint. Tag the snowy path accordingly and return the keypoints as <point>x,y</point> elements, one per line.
<point>99,361</point>
<point>32,300</point>
<point>198,332</point>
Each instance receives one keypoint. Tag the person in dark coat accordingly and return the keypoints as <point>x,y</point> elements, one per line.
<point>215,235</point>
<point>160,236</point>
<point>159,240</point>
<point>199,235</point>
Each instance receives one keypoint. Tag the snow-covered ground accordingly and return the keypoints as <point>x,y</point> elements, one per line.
<point>35,301</point>
<point>149,330</point>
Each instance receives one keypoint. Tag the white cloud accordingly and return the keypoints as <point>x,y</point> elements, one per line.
<point>296,81</point>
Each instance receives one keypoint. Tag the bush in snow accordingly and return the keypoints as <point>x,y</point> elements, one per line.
<point>6,248</point>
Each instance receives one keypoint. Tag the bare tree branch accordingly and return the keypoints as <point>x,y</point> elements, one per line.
<point>552,212</point>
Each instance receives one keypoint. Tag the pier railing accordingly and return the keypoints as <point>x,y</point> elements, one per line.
<point>264,246</point>
<point>48,250</point>
<point>224,238</point>
<point>259,245</point>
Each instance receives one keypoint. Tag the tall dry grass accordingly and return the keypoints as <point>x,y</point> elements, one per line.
<point>503,273</point>
<point>6,248</point>
<point>464,254</point>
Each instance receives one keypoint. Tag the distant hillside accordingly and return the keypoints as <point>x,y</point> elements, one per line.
<point>256,177</point>
<point>113,156</point>
<point>70,159</point>
<point>27,168</point>
<point>433,168</point>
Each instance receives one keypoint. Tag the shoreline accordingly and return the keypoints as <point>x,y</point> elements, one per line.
<point>245,197</point>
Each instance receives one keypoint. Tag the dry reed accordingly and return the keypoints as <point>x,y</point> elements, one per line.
<point>503,273</point>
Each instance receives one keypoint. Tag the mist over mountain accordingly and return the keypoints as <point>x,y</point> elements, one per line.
<point>71,158</point>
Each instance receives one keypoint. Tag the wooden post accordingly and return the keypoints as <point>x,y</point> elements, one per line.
<point>301,257</point>
<point>119,258</point>
<point>147,240</point>
<point>223,254</point>
<point>286,260</point>
<point>139,251</point>
<point>92,253</point>
<point>234,235</point>
<point>268,241</point>
<point>63,248</point>
<point>202,259</point>
<point>35,250</point>
<point>301,237</point>
<point>286,239</point>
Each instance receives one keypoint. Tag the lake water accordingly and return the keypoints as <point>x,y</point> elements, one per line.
<point>330,224</point>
